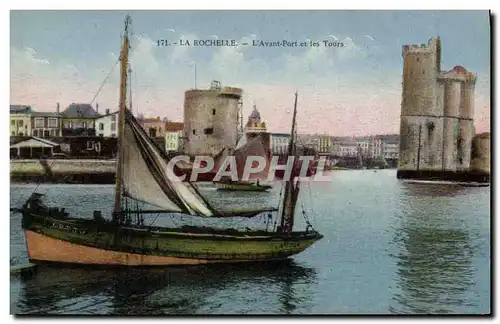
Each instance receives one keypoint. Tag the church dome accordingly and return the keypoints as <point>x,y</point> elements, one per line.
<point>255,113</point>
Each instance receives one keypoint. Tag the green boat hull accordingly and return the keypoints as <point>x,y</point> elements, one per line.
<point>78,240</point>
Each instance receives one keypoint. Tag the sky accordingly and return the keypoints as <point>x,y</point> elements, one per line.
<point>65,56</point>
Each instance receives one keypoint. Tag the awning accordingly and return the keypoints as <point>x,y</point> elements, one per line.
<point>35,142</point>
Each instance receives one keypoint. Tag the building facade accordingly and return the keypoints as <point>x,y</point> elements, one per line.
<point>279,143</point>
<point>174,136</point>
<point>364,146</point>
<point>345,147</point>
<point>20,120</point>
<point>376,147</point>
<point>324,144</point>
<point>46,124</point>
<point>107,125</point>
<point>211,119</point>
<point>154,127</point>
<point>79,120</point>
<point>436,112</point>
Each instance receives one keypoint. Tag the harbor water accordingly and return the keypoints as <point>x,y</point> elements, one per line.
<point>389,247</point>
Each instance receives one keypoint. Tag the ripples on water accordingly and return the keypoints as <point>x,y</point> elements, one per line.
<point>389,247</point>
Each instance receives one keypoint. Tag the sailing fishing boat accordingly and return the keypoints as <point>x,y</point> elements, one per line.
<point>244,150</point>
<point>143,176</point>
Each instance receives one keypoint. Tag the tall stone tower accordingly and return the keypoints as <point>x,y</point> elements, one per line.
<point>436,114</point>
<point>211,119</point>
<point>421,144</point>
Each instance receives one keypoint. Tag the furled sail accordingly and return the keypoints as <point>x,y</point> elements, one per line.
<point>147,177</point>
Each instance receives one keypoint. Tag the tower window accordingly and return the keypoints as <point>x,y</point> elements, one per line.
<point>194,132</point>
<point>208,131</point>
<point>423,71</point>
<point>213,112</point>
<point>418,59</point>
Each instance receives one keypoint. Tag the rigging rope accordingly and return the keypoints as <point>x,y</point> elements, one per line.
<point>105,80</point>
<point>311,203</point>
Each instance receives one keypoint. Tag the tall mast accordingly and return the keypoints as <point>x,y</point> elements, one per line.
<point>289,197</point>
<point>121,117</point>
<point>130,89</point>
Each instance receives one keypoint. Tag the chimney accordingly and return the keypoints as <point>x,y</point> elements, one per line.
<point>107,111</point>
<point>97,108</point>
<point>57,107</point>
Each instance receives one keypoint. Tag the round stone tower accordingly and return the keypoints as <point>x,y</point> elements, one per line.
<point>421,108</point>
<point>211,119</point>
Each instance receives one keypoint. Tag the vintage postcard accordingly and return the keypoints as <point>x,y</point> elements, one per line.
<point>250,162</point>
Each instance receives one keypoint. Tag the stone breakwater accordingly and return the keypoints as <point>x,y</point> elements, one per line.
<point>63,171</point>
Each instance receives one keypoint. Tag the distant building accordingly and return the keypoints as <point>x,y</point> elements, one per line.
<point>257,128</point>
<point>107,125</point>
<point>173,136</point>
<point>79,120</point>
<point>324,144</point>
<point>20,120</point>
<point>376,147</point>
<point>390,149</point>
<point>347,147</point>
<point>154,127</point>
<point>255,124</point>
<point>364,144</point>
<point>279,143</point>
<point>46,124</point>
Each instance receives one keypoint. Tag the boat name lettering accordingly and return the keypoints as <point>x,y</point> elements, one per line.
<point>68,228</point>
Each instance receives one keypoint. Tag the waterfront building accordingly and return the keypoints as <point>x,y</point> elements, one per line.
<point>107,125</point>
<point>364,146</point>
<point>79,120</point>
<point>324,144</point>
<point>154,127</point>
<point>279,143</point>
<point>20,120</point>
<point>375,147</point>
<point>46,124</point>
<point>174,136</point>
<point>344,147</point>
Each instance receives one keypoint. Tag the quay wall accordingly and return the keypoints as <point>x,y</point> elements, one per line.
<point>63,171</point>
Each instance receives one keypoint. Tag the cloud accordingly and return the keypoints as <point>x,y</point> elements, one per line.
<point>341,92</point>
<point>369,37</point>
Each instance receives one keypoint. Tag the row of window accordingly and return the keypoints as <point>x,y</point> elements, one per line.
<point>45,132</point>
<point>39,123</point>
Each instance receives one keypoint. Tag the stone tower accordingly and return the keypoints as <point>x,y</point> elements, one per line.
<point>421,109</point>
<point>211,119</point>
<point>436,113</point>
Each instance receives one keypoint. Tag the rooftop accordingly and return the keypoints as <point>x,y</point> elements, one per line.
<point>45,114</point>
<point>80,110</point>
<point>255,113</point>
<point>20,109</point>
<point>174,126</point>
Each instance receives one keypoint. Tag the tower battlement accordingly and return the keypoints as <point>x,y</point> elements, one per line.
<point>432,46</point>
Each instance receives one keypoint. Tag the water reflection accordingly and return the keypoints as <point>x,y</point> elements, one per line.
<point>412,190</point>
<point>433,253</point>
<point>159,291</point>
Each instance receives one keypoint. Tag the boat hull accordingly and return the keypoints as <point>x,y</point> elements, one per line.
<point>240,187</point>
<point>80,241</point>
